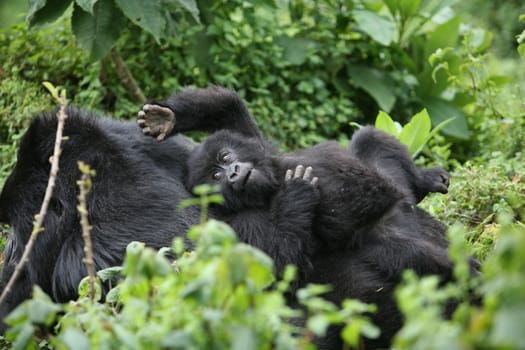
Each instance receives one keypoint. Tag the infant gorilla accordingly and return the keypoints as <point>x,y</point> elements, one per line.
<point>293,218</point>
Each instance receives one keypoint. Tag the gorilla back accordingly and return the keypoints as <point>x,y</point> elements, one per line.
<point>136,178</point>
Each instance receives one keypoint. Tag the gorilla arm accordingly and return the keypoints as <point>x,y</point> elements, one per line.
<point>211,109</point>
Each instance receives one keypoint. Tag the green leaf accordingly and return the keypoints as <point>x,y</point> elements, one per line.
<point>72,338</point>
<point>244,338</point>
<point>84,292</point>
<point>97,33</point>
<point>441,110</point>
<point>432,133</point>
<point>295,50</point>
<point>44,11</point>
<point>87,5</point>
<point>191,7</point>
<point>415,132</point>
<point>52,89</point>
<point>392,6</point>
<point>445,35</point>
<point>24,337</point>
<point>508,326</point>
<point>380,28</point>
<point>377,83</point>
<point>408,8</point>
<point>42,309</point>
<point>318,324</point>
<point>387,124</point>
<point>146,14</point>
<point>521,50</point>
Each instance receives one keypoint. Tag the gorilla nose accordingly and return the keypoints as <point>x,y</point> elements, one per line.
<point>234,172</point>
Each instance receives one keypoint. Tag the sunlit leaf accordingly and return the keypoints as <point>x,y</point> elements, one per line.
<point>415,132</point>
<point>387,124</point>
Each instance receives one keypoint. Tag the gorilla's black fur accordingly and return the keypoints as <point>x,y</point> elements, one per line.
<point>140,182</point>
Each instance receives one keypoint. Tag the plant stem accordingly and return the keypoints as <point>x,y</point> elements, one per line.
<point>125,75</point>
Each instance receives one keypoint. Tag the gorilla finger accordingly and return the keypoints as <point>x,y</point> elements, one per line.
<point>146,130</point>
<point>146,108</point>
<point>141,122</point>
<point>299,170</point>
<point>288,175</point>
<point>161,136</point>
<point>141,114</point>
<point>314,181</point>
<point>307,173</point>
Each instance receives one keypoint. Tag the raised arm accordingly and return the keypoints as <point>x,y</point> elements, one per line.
<point>211,109</point>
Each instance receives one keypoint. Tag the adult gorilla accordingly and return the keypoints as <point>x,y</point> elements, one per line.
<point>137,188</point>
<point>135,194</point>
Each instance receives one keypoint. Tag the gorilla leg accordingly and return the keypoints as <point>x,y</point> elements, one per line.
<point>390,158</point>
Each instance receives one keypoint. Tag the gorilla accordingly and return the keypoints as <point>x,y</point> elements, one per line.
<point>140,182</point>
<point>366,228</point>
<point>266,210</point>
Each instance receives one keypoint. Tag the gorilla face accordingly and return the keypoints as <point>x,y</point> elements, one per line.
<point>242,167</point>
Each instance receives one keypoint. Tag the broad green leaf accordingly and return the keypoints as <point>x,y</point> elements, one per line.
<point>72,338</point>
<point>244,338</point>
<point>87,5</point>
<point>432,133</point>
<point>377,83</point>
<point>42,311</point>
<point>415,132</point>
<point>97,33</point>
<point>146,14</point>
<point>445,35</point>
<point>387,124</point>
<point>392,6</point>
<point>380,28</point>
<point>408,8</point>
<point>479,39</point>
<point>508,326</point>
<point>44,11</point>
<point>24,337</point>
<point>441,110</point>
<point>191,7</point>
<point>295,50</point>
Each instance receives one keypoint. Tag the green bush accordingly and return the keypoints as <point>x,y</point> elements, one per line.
<point>19,101</point>
<point>223,295</point>
<point>307,69</point>
<point>494,323</point>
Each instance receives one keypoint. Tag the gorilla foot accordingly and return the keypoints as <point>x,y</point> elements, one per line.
<point>156,121</point>
<point>438,179</point>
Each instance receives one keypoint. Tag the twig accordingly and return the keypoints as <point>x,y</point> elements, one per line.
<point>125,75</point>
<point>39,218</point>
<point>84,185</point>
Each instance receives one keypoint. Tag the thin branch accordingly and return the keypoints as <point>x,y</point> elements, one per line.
<point>84,185</point>
<point>125,75</point>
<point>37,226</point>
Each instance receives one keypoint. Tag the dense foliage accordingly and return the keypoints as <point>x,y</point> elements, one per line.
<point>309,70</point>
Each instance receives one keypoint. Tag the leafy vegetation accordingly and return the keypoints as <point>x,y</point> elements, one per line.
<point>309,70</point>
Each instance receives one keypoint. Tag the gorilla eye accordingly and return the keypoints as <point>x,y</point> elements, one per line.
<point>225,157</point>
<point>216,175</point>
